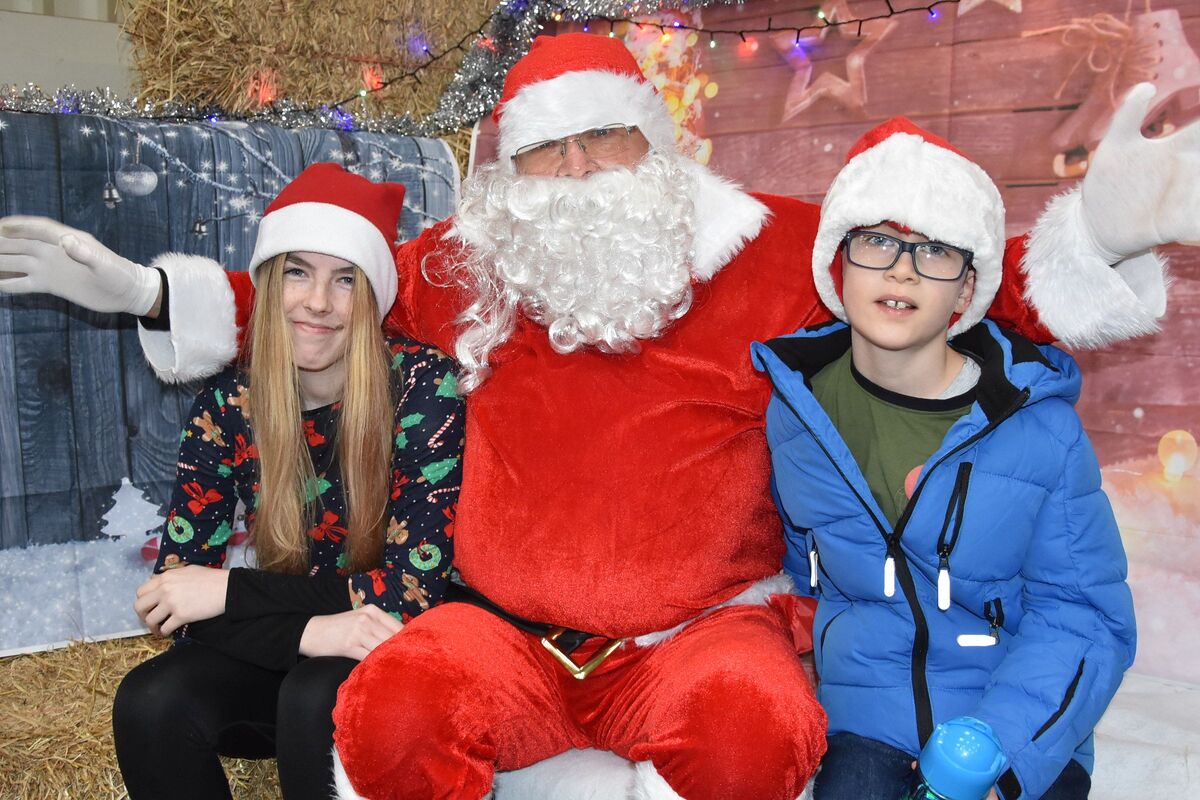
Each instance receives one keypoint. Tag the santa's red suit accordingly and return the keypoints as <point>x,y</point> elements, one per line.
<point>626,495</point>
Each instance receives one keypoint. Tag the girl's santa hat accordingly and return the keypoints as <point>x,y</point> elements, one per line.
<point>901,174</point>
<point>574,82</point>
<point>327,210</point>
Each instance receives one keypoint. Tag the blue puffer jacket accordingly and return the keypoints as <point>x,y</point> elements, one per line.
<point>1008,513</point>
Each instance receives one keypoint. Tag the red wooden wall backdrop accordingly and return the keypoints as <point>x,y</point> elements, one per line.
<point>974,77</point>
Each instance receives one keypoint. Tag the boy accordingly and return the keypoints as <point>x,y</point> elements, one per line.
<point>940,497</point>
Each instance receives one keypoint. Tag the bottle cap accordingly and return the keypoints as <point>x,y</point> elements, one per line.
<point>962,759</point>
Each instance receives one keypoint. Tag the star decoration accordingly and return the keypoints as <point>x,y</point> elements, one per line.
<point>84,130</point>
<point>967,5</point>
<point>850,92</point>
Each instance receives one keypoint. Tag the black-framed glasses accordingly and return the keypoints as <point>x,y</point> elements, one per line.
<point>937,261</point>
<point>600,144</point>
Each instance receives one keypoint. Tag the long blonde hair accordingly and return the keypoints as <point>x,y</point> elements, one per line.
<point>285,511</point>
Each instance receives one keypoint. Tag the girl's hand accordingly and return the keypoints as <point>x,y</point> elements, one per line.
<point>351,634</point>
<point>178,596</point>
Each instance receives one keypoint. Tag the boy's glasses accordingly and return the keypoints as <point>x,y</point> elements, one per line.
<point>934,260</point>
<point>600,144</point>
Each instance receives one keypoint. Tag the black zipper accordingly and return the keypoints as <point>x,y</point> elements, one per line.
<point>955,509</point>
<point>825,630</point>
<point>993,612</point>
<point>1066,701</point>
<point>921,700</point>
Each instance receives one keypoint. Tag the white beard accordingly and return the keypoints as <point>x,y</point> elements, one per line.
<point>602,261</point>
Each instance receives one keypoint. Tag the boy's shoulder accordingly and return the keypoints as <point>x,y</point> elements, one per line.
<point>811,349</point>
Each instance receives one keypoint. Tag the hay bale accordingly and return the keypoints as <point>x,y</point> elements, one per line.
<point>239,54</point>
<point>56,725</point>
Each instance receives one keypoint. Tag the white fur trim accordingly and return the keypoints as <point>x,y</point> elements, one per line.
<point>756,594</point>
<point>203,335</point>
<point>1083,300</point>
<point>652,786</point>
<point>573,775</point>
<point>341,781</point>
<point>726,218</point>
<point>581,100</point>
<point>927,188</point>
<point>333,231</point>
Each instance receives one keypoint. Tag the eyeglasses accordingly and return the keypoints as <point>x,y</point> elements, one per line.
<point>934,260</point>
<point>599,144</point>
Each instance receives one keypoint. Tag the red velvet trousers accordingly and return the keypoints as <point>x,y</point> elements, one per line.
<point>723,709</point>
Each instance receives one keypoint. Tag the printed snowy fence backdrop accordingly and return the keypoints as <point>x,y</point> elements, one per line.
<point>88,436</point>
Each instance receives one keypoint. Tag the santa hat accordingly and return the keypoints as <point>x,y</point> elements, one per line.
<point>901,174</point>
<point>575,82</point>
<point>327,210</point>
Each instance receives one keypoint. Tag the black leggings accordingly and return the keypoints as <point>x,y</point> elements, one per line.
<point>174,714</point>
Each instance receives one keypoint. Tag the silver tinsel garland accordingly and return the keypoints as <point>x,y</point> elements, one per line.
<point>471,93</point>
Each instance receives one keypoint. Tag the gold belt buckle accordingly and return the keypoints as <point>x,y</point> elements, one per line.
<point>578,672</point>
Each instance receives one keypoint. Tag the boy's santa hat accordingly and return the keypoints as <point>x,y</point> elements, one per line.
<point>327,210</point>
<point>574,82</point>
<point>901,174</point>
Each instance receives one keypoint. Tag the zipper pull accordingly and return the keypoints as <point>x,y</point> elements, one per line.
<point>943,583</point>
<point>812,566</point>
<point>889,571</point>
<point>994,619</point>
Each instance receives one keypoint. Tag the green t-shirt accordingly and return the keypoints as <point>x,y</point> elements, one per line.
<point>889,434</point>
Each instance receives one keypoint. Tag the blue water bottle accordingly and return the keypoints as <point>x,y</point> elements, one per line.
<point>961,761</point>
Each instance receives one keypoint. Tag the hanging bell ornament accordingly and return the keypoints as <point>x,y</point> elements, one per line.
<point>200,228</point>
<point>112,198</point>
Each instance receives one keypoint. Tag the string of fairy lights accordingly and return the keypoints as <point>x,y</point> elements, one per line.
<point>489,50</point>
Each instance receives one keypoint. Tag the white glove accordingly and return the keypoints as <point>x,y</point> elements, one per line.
<point>1139,192</point>
<point>47,256</point>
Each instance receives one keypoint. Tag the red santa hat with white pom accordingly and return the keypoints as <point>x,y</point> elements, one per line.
<point>328,210</point>
<point>575,82</point>
<point>902,174</point>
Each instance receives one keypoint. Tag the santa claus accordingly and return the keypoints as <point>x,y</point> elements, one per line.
<point>616,537</point>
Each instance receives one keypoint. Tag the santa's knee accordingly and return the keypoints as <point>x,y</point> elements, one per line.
<point>744,722</point>
<point>416,718</point>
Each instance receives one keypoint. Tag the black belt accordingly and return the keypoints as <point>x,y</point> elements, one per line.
<point>560,641</point>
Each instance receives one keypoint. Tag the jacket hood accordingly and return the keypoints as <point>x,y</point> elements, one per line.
<point>1009,363</point>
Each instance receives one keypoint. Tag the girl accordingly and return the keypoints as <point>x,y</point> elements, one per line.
<point>351,517</point>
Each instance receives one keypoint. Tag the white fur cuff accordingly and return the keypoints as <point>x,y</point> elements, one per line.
<point>341,782</point>
<point>203,334</point>
<point>571,775</point>
<point>756,594</point>
<point>1083,300</point>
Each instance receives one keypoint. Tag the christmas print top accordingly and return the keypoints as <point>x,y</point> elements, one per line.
<point>218,465</point>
